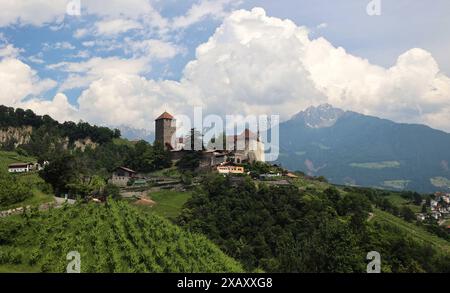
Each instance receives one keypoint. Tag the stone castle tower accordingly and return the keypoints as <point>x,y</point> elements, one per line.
<point>165,130</point>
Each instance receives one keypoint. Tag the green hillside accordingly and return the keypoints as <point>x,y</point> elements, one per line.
<point>410,229</point>
<point>110,238</point>
<point>310,227</point>
<point>18,190</point>
<point>7,158</point>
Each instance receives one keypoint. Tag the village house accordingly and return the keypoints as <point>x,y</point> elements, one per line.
<point>446,199</point>
<point>269,176</point>
<point>421,217</point>
<point>20,167</point>
<point>436,215</point>
<point>230,169</point>
<point>121,176</point>
<point>433,204</point>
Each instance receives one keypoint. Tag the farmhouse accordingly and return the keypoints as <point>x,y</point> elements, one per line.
<point>230,169</point>
<point>121,176</point>
<point>20,167</point>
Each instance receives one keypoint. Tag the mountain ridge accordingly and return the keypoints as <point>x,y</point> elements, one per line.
<point>357,149</point>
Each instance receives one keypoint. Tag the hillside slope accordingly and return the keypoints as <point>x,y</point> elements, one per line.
<point>309,226</point>
<point>410,229</point>
<point>19,190</point>
<point>110,238</point>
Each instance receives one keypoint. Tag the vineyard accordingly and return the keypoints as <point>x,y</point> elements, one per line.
<point>110,238</point>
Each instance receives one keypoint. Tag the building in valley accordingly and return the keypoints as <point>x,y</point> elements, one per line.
<point>121,176</point>
<point>20,167</point>
<point>230,169</point>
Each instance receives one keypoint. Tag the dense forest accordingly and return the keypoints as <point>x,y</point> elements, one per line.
<point>110,238</point>
<point>283,229</point>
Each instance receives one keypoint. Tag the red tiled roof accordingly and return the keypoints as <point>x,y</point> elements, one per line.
<point>165,115</point>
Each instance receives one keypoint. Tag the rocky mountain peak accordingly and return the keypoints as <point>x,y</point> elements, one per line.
<point>321,116</point>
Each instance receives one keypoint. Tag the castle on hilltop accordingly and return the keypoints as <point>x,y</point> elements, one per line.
<point>242,148</point>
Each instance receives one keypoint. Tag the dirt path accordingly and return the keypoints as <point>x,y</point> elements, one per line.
<point>145,202</point>
<point>57,203</point>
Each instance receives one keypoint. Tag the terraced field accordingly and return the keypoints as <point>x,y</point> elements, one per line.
<point>113,237</point>
<point>411,229</point>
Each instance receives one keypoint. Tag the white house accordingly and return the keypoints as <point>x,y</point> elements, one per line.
<point>447,199</point>
<point>433,204</point>
<point>40,167</point>
<point>20,167</point>
<point>421,217</point>
<point>436,215</point>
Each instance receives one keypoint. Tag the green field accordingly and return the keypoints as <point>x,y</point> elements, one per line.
<point>168,203</point>
<point>396,184</point>
<point>173,172</point>
<point>440,182</point>
<point>7,158</point>
<point>376,165</point>
<point>399,202</point>
<point>304,184</point>
<point>411,229</point>
<point>321,146</point>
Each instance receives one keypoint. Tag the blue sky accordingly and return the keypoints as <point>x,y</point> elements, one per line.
<point>59,56</point>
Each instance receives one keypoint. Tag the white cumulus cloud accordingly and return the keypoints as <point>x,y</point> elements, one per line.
<point>58,108</point>
<point>115,26</point>
<point>18,81</point>
<point>31,12</point>
<point>81,74</point>
<point>256,64</point>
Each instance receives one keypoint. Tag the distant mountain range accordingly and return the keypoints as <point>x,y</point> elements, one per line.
<point>136,134</point>
<point>355,149</point>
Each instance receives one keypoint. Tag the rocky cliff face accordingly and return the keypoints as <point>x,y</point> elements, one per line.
<point>22,135</point>
<point>84,143</point>
<point>18,135</point>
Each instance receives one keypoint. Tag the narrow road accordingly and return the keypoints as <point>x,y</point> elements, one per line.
<point>57,203</point>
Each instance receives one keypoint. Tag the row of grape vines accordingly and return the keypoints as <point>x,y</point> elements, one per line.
<point>113,237</point>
